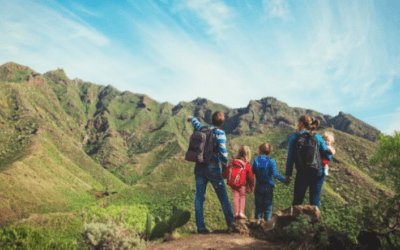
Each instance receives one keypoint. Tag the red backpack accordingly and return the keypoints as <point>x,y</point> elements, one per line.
<point>235,173</point>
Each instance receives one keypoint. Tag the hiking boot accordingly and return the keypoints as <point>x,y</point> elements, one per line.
<point>203,231</point>
<point>229,230</point>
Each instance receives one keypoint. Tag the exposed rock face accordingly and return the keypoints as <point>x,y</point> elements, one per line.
<point>268,112</point>
<point>35,79</point>
<point>350,124</point>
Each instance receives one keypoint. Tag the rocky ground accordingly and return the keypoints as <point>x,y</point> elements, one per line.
<point>264,235</point>
<point>220,241</point>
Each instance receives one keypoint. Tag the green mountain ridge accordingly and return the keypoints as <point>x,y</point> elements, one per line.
<point>62,140</point>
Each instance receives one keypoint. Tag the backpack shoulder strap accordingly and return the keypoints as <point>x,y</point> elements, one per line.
<point>243,163</point>
<point>297,135</point>
<point>267,162</point>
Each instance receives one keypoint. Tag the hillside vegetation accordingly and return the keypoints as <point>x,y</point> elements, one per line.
<point>64,143</point>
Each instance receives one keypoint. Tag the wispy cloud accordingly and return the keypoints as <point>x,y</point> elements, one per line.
<point>331,59</point>
<point>215,13</point>
<point>277,9</point>
<point>45,39</point>
<point>81,8</point>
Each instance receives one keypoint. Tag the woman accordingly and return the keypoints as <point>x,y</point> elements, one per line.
<point>306,176</point>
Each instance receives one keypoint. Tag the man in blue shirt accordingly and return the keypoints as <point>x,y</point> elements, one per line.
<point>212,173</point>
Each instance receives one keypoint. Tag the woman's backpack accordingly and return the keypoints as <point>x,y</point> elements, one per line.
<point>235,173</point>
<point>306,152</point>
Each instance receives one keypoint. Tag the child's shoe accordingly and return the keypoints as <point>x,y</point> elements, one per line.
<point>237,215</point>
<point>242,215</point>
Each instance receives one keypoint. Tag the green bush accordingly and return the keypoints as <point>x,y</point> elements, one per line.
<point>110,235</point>
<point>341,218</point>
<point>303,233</point>
<point>383,216</point>
<point>133,216</point>
<point>27,237</point>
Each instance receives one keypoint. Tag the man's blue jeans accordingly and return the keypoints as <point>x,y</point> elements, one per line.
<point>264,194</point>
<point>210,173</point>
<point>312,179</point>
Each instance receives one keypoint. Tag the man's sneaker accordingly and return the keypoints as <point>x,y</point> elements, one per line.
<point>229,230</point>
<point>242,215</point>
<point>203,231</point>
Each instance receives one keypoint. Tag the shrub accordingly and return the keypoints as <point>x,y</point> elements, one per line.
<point>305,235</point>
<point>382,218</point>
<point>341,218</point>
<point>132,216</point>
<point>27,237</point>
<point>110,235</point>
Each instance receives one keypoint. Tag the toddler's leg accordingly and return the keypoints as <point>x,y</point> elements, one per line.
<point>236,204</point>
<point>326,167</point>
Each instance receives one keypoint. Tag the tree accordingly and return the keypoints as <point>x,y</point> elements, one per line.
<point>388,154</point>
<point>383,217</point>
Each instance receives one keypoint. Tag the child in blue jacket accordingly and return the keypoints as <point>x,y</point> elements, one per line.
<point>264,168</point>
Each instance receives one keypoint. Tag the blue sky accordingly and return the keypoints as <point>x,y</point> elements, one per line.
<point>329,56</point>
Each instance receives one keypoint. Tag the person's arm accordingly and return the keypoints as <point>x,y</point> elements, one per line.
<point>275,172</point>
<point>323,149</point>
<point>196,124</point>
<point>331,149</point>
<point>289,159</point>
<point>225,172</point>
<point>250,176</point>
<point>254,166</point>
<point>222,152</point>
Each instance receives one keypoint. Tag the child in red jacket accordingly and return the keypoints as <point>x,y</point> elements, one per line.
<point>240,176</point>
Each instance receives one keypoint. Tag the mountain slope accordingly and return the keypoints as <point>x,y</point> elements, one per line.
<point>43,167</point>
<point>85,136</point>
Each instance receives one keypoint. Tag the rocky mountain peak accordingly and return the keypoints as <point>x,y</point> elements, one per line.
<point>201,101</point>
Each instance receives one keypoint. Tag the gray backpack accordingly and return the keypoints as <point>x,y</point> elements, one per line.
<point>201,146</point>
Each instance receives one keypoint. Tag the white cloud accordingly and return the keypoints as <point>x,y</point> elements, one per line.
<point>185,68</point>
<point>81,8</point>
<point>277,9</point>
<point>44,39</point>
<point>215,13</point>
<point>333,60</point>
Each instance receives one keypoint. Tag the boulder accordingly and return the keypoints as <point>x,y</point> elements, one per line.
<point>240,226</point>
<point>274,229</point>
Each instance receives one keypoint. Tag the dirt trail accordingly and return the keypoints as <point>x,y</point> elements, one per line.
<point>217,241</point>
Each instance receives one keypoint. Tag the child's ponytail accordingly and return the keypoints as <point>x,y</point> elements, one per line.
<point>243,153</point>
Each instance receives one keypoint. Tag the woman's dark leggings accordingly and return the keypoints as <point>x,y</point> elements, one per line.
<point>312,179</point>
